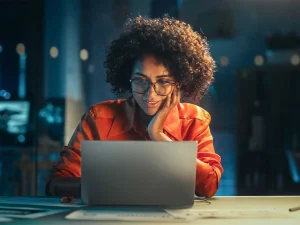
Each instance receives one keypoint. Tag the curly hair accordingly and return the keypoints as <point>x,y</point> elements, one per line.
<point>181,49</point>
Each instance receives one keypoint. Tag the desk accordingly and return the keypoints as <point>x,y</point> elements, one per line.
<point>281,204</point>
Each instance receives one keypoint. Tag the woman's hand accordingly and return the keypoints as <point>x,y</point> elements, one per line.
<point>155,127</point>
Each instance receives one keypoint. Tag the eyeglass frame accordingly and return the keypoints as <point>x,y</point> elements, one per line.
<point>150,84</point>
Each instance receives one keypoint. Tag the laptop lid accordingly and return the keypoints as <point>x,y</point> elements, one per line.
<point>136,173</point>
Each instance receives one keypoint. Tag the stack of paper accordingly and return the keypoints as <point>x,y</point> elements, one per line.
<point>4,219</point>
<point>126,215</point>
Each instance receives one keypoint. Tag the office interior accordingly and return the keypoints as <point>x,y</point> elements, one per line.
<point>51,72</point>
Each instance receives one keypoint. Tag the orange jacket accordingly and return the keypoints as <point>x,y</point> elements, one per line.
<point>116,120</point>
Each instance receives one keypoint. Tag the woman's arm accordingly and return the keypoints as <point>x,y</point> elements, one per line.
<point>65,175</point>
<point>209,169</point>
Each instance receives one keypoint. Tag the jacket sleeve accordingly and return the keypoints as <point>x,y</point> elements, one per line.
<point>209,168</point>
<point>69,164</point>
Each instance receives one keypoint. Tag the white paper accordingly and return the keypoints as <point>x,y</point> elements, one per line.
<point>226,213</point>
<point>26,212</point>
<point>127,215</point>
<point>3,219</point>
<point>39,201</point>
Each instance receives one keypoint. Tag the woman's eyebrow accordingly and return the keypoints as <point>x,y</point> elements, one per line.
<point>143,75</point>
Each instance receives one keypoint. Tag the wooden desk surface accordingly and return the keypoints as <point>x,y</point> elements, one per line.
<point>280,204</point>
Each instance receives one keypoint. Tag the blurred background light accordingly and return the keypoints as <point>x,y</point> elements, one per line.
<point>84,54</point>
<point>295,60</point>
<point>224,61</point>
<point>54,52</point>
<point>7,95</point>
<point>259,60</point>
<point>20,48</point>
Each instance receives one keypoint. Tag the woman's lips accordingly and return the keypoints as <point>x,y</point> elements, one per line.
<point>151,104</point>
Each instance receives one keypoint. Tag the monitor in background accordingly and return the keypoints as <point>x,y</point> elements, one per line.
<point>14,116</point>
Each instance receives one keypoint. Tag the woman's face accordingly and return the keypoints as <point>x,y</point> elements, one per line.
<point>149,69</point>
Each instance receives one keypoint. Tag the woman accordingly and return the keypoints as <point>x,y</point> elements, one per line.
<point>155,60</point>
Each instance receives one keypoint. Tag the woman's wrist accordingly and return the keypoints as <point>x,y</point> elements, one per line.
<point>159,136</point>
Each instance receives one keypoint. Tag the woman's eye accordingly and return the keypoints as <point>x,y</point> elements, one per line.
<point>164,82</point>
<point>140,81</point>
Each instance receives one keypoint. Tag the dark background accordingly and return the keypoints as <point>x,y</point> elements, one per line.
<point>51,55</point>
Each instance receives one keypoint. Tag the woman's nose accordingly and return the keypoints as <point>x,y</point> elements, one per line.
<point>151,90</point>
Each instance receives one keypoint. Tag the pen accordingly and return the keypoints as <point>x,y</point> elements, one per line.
<point>294,209</point>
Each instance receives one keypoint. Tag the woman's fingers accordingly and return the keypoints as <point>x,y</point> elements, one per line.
<point>176,97</point>
<point>172,99</point>
<point>168,101</point>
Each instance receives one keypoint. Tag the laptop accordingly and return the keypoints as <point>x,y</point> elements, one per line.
<point>138,173</point>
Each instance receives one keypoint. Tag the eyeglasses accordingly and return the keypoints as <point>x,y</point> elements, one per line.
<point>161,87</point>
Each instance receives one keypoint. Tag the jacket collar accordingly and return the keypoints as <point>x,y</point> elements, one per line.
<point>125,119</point>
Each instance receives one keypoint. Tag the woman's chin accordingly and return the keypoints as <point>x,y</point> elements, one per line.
<point>150,112</point>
